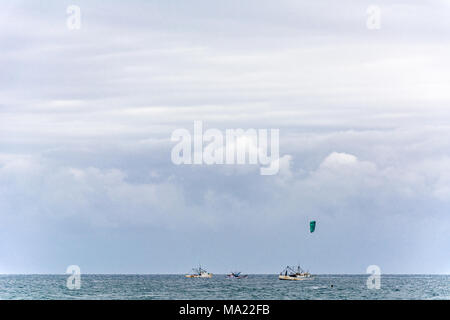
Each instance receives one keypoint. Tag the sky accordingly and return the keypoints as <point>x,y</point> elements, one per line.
<point>86,117</point>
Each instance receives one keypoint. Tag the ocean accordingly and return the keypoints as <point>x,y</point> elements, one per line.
<point>219,287</point>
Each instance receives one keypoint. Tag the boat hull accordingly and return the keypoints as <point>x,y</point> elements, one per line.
<point>294,278</point>
<point>207,275</point>
<point>238,277</point>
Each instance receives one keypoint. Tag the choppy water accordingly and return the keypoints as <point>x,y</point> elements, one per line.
<point>218,287</point>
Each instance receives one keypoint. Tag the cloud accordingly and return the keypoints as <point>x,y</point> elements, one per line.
<point>338,160</point>
<point>86,118</point>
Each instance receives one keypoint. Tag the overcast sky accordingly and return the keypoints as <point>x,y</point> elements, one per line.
<point>86,117</point>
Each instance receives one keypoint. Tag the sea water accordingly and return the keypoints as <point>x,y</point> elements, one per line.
<point>220,287</point>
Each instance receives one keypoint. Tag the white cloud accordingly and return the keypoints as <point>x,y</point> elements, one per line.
<point>338,160</point>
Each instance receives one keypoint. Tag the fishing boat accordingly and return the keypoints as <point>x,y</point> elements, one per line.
<point>294,273</point>
<point>199,273</point>
<point>236,275</point>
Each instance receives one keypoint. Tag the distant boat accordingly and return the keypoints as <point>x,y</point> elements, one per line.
<point>294,273</point>
<point>236,275</point>
<point>199,273</point>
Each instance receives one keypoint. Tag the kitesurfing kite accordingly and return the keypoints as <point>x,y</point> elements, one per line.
<point>312,226</point>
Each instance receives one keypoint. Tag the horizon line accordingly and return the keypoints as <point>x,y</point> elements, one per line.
<point>178,274</point>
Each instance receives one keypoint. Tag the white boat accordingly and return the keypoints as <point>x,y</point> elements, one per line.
<point>199,273</point>
<point>294,273</point>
